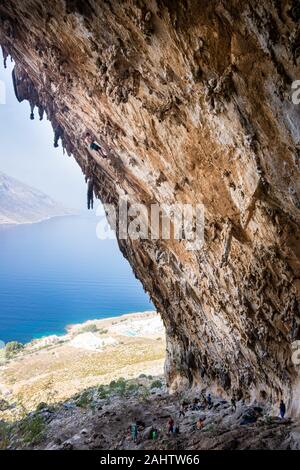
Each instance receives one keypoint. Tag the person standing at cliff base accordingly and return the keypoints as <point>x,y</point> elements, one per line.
<point>209,401</point>
<point>170,426</point>
<point>282,409</point>
<point>134,431</point>
<point>182,410</point>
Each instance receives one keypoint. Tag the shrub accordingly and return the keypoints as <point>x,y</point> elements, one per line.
<point>84,400</point>
<point>102,392</point>
<point>103,331</point>
<point>144,394</point>
<point>89,328</point>
<point>41,406</point>
<point>13,348</point>
<point>4,405</point>
<point>32,429</point>
<point>4,435</point>
<point>142,376</point>
<point>131,388</point>
<point>156,384</point>
<point>118,386</point>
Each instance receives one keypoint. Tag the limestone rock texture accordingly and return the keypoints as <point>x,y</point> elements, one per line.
<point>191,102</point>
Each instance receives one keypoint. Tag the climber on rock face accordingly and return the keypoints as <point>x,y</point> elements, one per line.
<point>90,193</point>
<point>93,144</point>
<point>282,409</point>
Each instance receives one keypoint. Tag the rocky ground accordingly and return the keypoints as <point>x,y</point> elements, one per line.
<point>99,418</point>
<point>84,389</point>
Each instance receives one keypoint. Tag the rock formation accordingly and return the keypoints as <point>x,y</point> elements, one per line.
<point>191,102</point>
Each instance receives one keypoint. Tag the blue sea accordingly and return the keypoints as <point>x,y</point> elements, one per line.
<point>58,272</point>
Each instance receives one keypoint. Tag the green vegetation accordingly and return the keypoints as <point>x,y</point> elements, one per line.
<point>42,406</point>
<point>84,400</point>
<point>122,387</point>
<point>132,388</point>
<point>118,386</point>
<point>144,393</point>
<point>2,354</point>
<point>4,435</point>
<point>91,328</point>
<point>32,429</point>
<point>156,384</point>
<point>12,348</point>
<point>102,392</point>
<point>4,405</point>
<point>102,331</point>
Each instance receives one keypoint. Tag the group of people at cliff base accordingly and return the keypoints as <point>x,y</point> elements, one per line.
<point>207,402</point>
<point>172,428</point>
<point>137,426</point>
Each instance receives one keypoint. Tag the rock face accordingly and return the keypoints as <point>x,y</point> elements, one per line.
<point>191,103</point>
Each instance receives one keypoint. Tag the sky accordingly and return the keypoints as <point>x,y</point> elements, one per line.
<point>27,152</point>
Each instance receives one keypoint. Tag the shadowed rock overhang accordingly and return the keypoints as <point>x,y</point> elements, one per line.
<point>191,102</point>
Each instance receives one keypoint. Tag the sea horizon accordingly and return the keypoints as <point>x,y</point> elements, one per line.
<point>56,272</point>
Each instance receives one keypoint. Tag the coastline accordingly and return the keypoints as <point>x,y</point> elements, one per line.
<point>54,368</point>
<point>127,320</point>
<point>39,221</point>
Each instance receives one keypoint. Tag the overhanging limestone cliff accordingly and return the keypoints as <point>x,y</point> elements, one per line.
<point>191,102</point>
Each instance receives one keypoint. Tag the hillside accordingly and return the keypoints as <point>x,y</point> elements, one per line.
<point>49,400</point>
<point>53,368</point>
<point>22,204</point>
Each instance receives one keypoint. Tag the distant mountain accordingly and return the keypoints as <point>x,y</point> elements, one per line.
<point>21,204</point>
